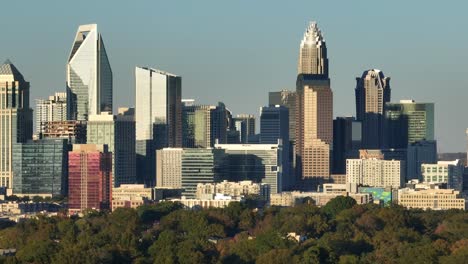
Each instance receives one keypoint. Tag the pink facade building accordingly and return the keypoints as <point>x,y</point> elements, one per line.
<point>89,178</point>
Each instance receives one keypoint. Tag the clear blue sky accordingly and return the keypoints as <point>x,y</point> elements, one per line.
<point>237,51</point>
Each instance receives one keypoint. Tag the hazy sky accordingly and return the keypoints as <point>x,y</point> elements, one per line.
<point>237,51</point>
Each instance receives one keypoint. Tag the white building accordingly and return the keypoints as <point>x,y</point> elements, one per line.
<point>89,75</point>
<point>219,201</point>
<point>375,172</point>
<point>449,172</point>
<point>233,189</point>
<point>434,199</point>
<point>169,167</point>
<point>130,195</point>
<point>52,109</point>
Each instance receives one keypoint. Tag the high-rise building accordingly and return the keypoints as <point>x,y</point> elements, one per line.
<point>118,133</point>
<point>89,178</point>
<point>314,110</point>
<point>199,166</point>
<point>313,57</point>
<point>245,124</point>
<point>409,122</point>
<point>346,142</point>
<point>169,167</point>
<point>375,172</point>
<point>15,118</point>
<point>419,153</point>
<point>288,99</point>
<point>40,168</point>
<point>222,124</point>
<point>274,126</point>
<point>260,163</point>
<point>52,109</point>
<point>158,116</point>
<point>196,126</point>
<point>372,93</point>
<point>89,75</point>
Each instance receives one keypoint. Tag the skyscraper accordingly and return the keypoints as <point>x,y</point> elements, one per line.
<point>372,93</point>
<point>408,122</point>
<point>118,133</point>
<point>245,124</point>
<point>314,110</point>
<point>222,124</point>
<point>158,116</point>
<point>89,177</point>
<point>15,118</point>
<point>196,126</point>
<point>52,109</point>
<point>288,99</point>
<point>274,126</point>
<point>89,75</point>
<point>346,142</point>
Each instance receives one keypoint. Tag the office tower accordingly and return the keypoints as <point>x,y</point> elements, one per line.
<point>274,126</point>
<point>158,116</point>
<point>188,102</point>
<point>73,131</point>
<point>346,142</point>
<point>196,126</point>
<point>169,167</point>
<point>221,124</point>
<point>40,168</point>
<point>199,166</point>
<point>89,178</point>
<point>288,99</point>
<point>245,124</point>
<point>118,133</point>
<point>375,172</point>
<point>409,122</point>
<point>419,153</point>
<point>89,75</point>
<point>449,172</point>
<point>15,118</point>
<point>372,93</point>
<point>314,110</point>
<point>260,163</point>
<point>52,109</point>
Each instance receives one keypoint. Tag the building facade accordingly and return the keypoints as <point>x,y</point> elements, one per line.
<point>245,124</point>
<point>89,178</point>
<point>346,142</point>
<point>287,99</point>
<point>49,110</point>
<point>234,189</point>
<point>409,122</point>
<point>73,131</point>
<point>15,118</point>
<point>314,111</point>
<point>118,133</point>
<point>169,167</point>
<point>433,199</point>
<point>372,94</point>
<point>40,168</point>
<point>130,196</point>
<point>449,172</point>
<point>418,153</point>
<point>375,172</point>
<point>158,116</point>
<point>196,126</point>
<point>89,75</point>
<point>260,163</point>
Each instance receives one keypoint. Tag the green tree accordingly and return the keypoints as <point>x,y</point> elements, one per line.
<point>338,204</point>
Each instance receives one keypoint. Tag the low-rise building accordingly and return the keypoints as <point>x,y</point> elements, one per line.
<point>449,172</point>
<point>130,195</point>
<point>434,199</point>
<point>219,201</point>
<point>375,172</point>
<point>319,198</point>
<point>234,189</point>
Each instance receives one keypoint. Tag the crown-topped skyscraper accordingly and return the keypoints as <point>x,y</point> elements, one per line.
<point>314,111</point>
<point>15,118</point>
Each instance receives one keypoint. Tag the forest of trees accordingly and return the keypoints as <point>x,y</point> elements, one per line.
<point>340,232</point>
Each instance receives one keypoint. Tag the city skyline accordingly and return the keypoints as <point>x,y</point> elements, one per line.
<point>413,73</point>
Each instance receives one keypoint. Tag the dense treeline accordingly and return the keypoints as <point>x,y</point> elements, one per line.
<point>340,232</point>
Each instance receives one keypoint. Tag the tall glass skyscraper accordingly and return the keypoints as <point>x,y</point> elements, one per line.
<point>15,118</point>
<point>89,75</point>
<point>314,110</point>
<point>158,116</point>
